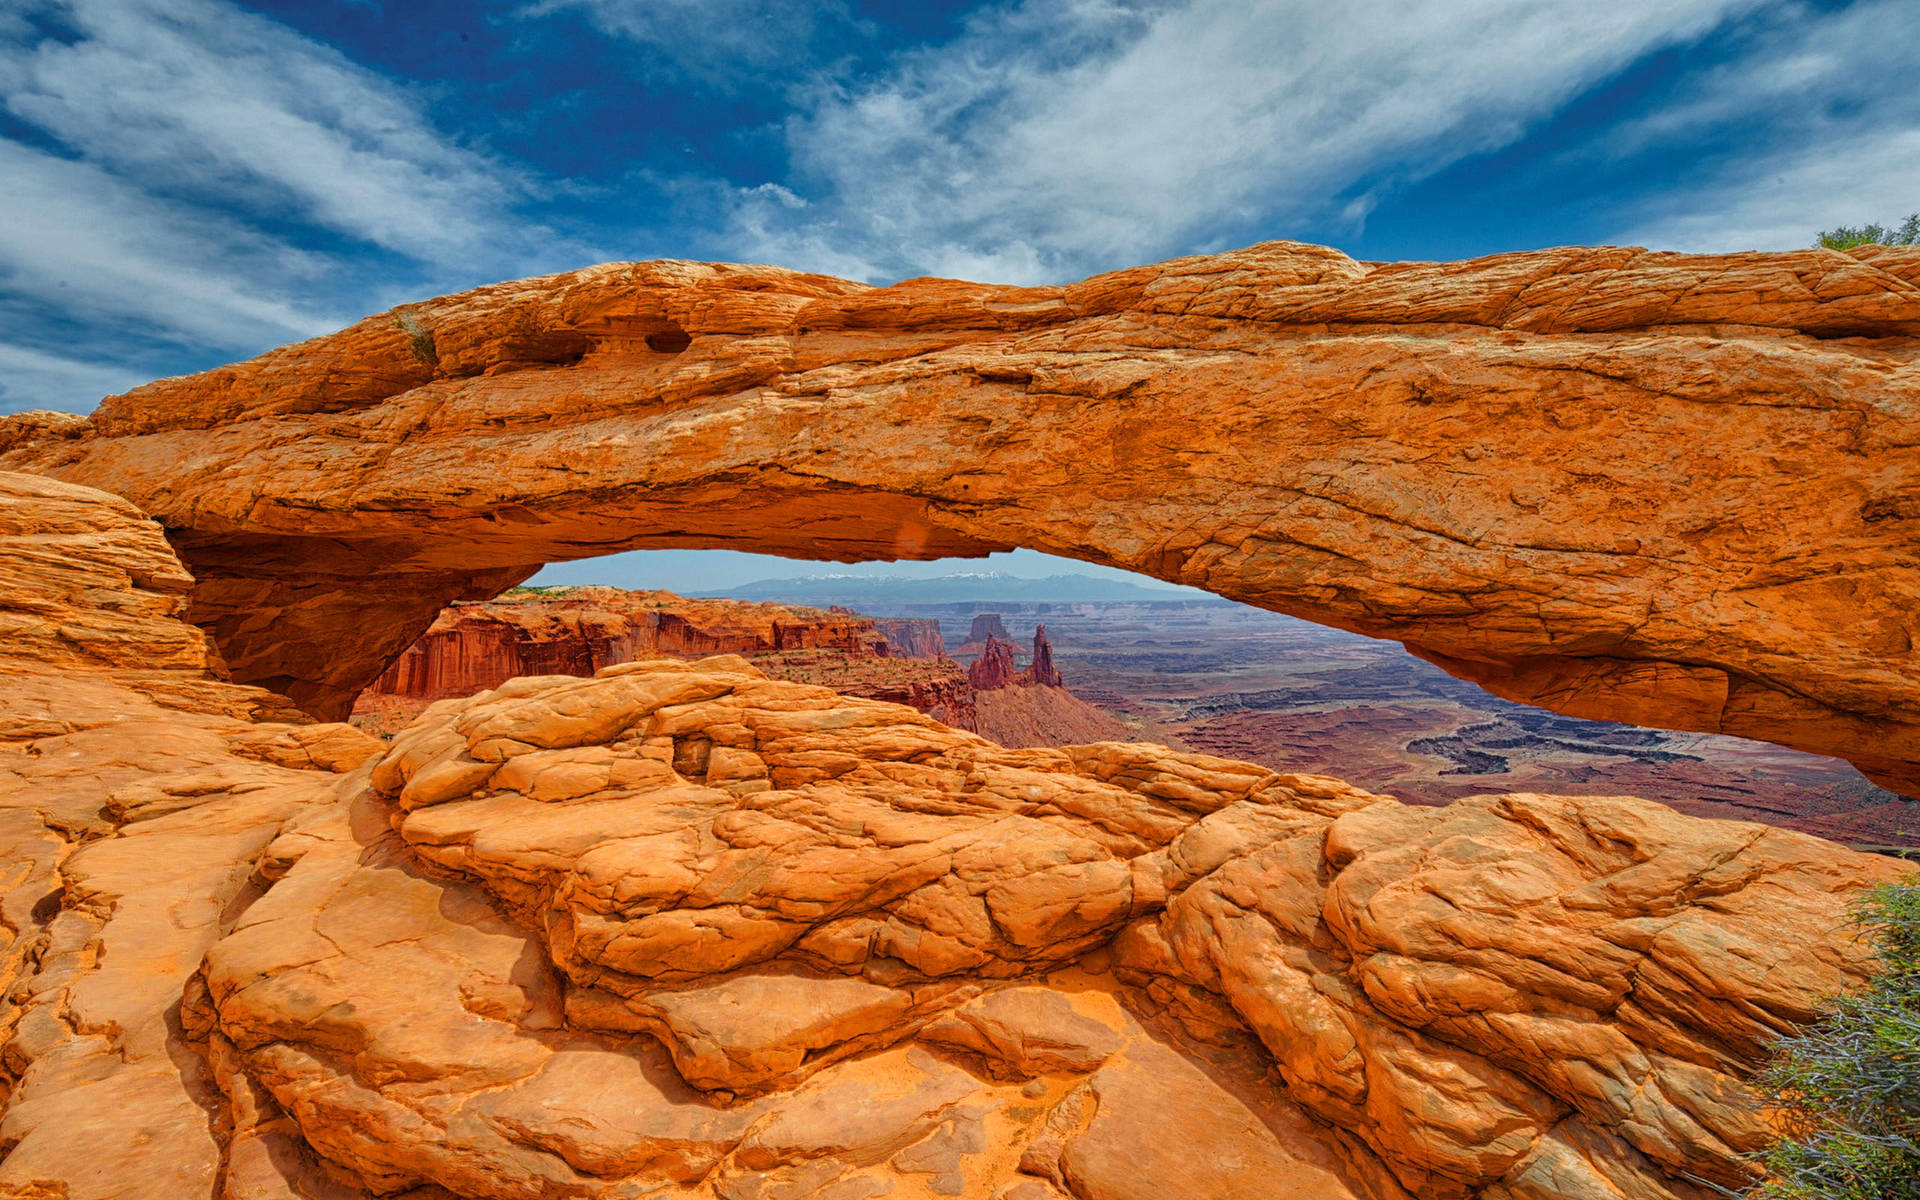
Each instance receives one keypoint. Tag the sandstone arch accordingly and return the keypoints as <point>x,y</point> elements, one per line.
<point>1675,490</point>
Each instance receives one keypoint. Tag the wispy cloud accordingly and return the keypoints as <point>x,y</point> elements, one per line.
<point>202,177</point>
<point>1828,127</point>
<point>31,378</point>
<point>196,97</point>
<point>1055,138</point>
<point>96,247</point>
<point>718,43</point>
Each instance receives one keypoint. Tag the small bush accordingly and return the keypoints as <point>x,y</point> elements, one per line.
<point>1847,1089</point>
<point>419,337</point>
<point>1906,233</point>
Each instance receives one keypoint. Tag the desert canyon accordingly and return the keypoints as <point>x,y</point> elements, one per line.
<point>675,915</point>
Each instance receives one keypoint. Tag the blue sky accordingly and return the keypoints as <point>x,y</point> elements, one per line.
<point>184,183</point>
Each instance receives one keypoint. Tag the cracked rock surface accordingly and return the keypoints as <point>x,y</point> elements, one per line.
<point>679,930</point>
<point>1673,490</point>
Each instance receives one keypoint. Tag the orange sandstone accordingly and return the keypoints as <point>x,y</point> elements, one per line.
<point>1670,489</point>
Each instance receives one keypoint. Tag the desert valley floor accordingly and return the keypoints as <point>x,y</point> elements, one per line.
<point>1243,683</point>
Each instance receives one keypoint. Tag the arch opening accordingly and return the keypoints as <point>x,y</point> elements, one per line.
<point>1176,666</point>
<point>1560,475</point>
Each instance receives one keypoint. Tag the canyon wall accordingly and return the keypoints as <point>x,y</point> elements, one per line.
<point>1676,490</point>
<point>912,637</point>
<point>472,646</point>
<point>987,625</point>
<point>477,645</point>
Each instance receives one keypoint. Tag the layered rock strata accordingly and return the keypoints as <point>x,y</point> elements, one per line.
<point>576,631</point>
<point>1675,490</point>
<point>911,637</point>
<point>757,939</point>
<point>987,625</point>
<point>679,930</point>
<point>474,646</point>
<point>139,793</point>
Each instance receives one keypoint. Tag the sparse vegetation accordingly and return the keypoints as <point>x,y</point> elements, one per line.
<point>418,336</point>
<point>1846,1091</point>
<point>1906,233</point>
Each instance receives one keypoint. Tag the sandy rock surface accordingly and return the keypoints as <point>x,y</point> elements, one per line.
<point>138,795</point>
<point>681,930</point>
<point>1675,490</point>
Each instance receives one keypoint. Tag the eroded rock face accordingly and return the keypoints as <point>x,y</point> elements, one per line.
<point>987,625</point>
<point>576,631</point>
<point>994,668</point>
<point>681,927</point>
<point>475,646</point>
<point>911,637</point>
<point>1667,489</point>
<point>138,795</point>
<point>680,930</point>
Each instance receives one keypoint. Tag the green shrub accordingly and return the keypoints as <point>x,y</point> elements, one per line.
<point>1847,1089</point>
<point>1906,233</point>
<point>418,336</point>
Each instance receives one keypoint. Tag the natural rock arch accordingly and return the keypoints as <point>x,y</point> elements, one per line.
<point>1675,490</point>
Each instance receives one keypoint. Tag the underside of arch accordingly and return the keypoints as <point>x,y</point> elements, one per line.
<point>1680,491</point>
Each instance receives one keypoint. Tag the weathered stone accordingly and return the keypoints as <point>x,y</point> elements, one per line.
<point>1669,489</point>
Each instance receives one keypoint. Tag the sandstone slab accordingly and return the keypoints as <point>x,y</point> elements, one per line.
<point>1669,489</point>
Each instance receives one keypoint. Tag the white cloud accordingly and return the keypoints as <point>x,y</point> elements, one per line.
<point>711,40</point>
<point>1838,140</point>
<point>31,378</point>
<point>1783,200</point>
<point>76,239</point>
<point>188,155</point>
<point>198,98</point>
<point>1051,139</point>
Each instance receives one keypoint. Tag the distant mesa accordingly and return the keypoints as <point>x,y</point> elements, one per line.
<point>476,646</point>
<point>986,625</point>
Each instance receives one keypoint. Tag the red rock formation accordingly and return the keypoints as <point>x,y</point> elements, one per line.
<point>994,668</point>
<point>576,631</point>
<point>475,646</point>
<point>912,637</point>
<point>1661,488</point>
<point>987,625</point>
<point>1041,672</point>
<point>937,687</point>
